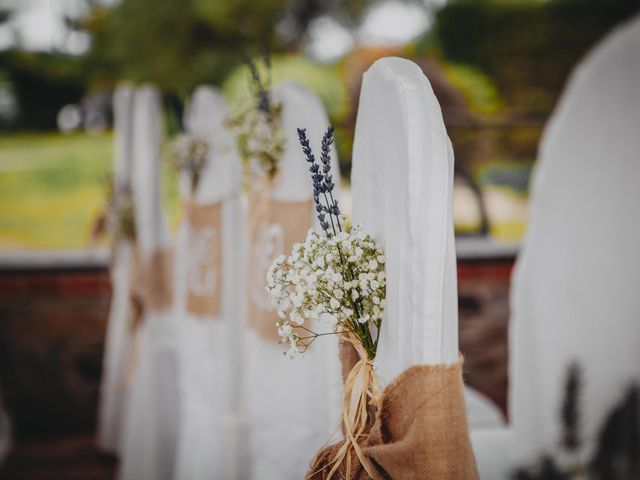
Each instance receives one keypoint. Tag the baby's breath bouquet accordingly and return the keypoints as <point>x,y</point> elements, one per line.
<point>258,127</point>
<point>337,274</point>
<point>189,153</point>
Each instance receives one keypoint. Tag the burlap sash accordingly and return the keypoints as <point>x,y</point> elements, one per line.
<point>204,270</point>
<point>151,289</point>
<point>274,226</point>
<point>151,284</point>
<point>420,431</point>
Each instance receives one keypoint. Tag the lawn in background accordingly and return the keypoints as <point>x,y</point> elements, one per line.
<point>52,189</point>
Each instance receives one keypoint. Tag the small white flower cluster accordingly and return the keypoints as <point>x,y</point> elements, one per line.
<point>260,138</point>
<point>190,153</point>
<point>341,275</point>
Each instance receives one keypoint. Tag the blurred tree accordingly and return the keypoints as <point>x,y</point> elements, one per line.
<point>42,84</point>
<point>527,47</point>
<point>181,43</point>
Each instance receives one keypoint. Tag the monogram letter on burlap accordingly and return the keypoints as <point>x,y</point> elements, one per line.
<point>274,227</point>
<point>204,259</point>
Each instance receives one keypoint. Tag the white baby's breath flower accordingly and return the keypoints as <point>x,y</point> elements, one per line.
<point>314,283</point>
<point>285,330</point>
<point>293,352</point>
<point>296,317</point>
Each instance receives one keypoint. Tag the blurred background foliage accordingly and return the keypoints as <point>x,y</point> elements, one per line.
<point>496,66</point>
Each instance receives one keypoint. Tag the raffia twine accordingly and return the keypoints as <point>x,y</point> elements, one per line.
<point>360,390</point>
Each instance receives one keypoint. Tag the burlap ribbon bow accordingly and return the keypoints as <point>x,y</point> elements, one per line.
<point>420,430</point>
<point>151,288</point>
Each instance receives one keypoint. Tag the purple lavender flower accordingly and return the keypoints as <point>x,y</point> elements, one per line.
<point>322,181</point>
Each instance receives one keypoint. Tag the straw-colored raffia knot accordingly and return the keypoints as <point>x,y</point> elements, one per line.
<point>420,431</point>
<point>347,459</point>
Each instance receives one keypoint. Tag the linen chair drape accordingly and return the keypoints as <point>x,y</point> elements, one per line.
<point>402,180</point>
<point>575,286</point>
<point>293,404</point>
<point>208,263</point>
<point>118,339</point>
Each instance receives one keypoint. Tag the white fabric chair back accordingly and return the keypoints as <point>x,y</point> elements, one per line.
<point>151,425</point>
<point>151,227</point>
<point>209,347</point>
<point>402,182</point>
<point>118,338</point>
<point>123,132</point>
<point>293,404</point>
<point>575,288</point>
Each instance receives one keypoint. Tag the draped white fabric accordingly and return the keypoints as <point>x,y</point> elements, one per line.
<point>402,181</point>
<point>5,432</point>
<point>150,431</point>
<point>293,405</point>
<point>118,336</point>
<point>209,347</point>
<point>575,291</point>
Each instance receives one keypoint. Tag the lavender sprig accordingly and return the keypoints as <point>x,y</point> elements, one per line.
<point>318,177</point>
<point>327,184</point>
<point>262,89</point>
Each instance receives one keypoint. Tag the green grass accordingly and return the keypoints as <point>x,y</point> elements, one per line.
<point>51,189</point>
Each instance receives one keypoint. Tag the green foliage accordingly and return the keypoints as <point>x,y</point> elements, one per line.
<point>527,47</point>
<point>163,41</point>
<point>50,189</point>
<point>480,92</point>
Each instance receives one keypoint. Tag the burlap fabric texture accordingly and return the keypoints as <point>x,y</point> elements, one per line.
<point>204,273</point>
<point>420,430</point>
<point>274,226</point>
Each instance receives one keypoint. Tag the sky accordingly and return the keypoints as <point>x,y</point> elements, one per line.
<point>39,25</point>
<point>392,22</point>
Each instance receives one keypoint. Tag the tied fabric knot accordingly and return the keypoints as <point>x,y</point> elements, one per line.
<point>420,431</point>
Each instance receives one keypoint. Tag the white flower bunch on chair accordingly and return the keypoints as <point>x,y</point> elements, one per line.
<point>337,273</point>
<point>339,277</point>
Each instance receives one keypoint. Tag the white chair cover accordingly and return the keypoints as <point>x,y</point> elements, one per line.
<point>209,347</point>
<point>150,431</point>
<point>575,290</point>
<point>118,343</point>
<point>293,405</point>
